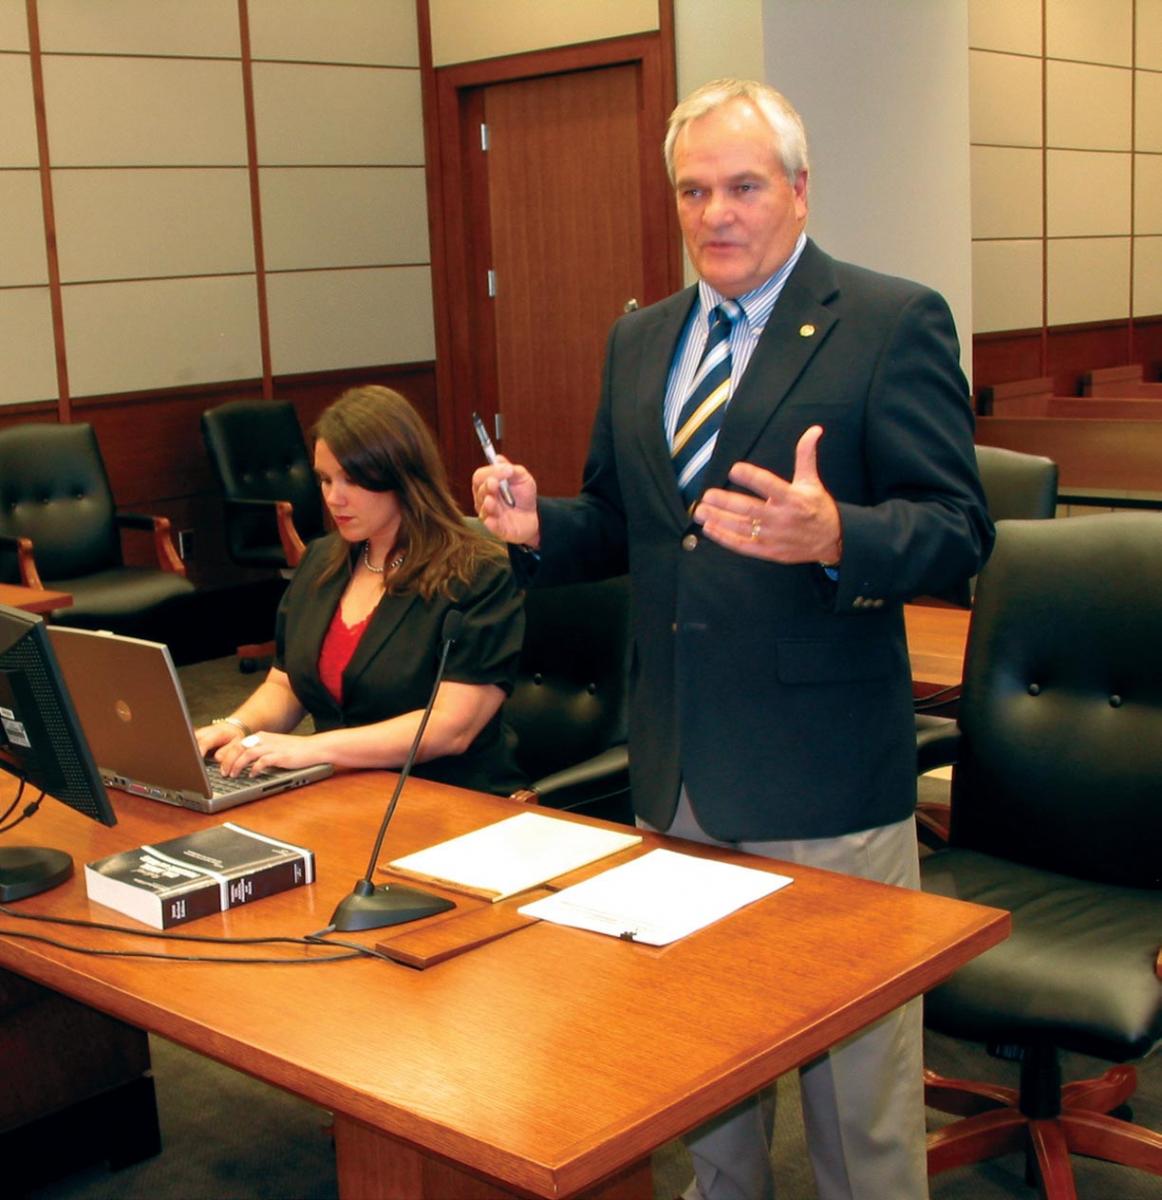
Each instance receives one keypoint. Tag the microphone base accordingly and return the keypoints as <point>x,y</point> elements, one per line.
<point>388,904</point>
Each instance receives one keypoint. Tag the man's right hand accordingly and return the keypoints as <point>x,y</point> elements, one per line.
<point>519,524</point>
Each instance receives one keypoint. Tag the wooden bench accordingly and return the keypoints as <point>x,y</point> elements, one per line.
<point>1035,398</point>
<point>1120,382</point>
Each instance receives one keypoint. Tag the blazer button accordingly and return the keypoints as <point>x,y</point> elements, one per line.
<point>690,541</point>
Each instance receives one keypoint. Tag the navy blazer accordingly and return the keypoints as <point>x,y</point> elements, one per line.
<point>783,700</point>
<point>394,665</point>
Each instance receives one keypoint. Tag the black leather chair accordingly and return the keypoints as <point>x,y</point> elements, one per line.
<point>271,497</point>
<point>1057,817</point>
<point>569,704</point>
<point>1017,486</point>
<point>59,528</point>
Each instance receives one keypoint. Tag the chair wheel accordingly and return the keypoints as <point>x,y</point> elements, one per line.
<point>1123,1112</point>
<point>248,665</point>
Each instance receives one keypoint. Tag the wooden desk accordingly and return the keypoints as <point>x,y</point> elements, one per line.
<point>548,1063</point>
<point>36,600</point>
<point>936,639</point>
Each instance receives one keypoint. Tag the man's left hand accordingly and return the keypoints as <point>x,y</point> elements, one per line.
<point>785,522</point>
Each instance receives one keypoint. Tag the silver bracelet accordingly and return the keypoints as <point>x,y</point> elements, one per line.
<point>240,725</point>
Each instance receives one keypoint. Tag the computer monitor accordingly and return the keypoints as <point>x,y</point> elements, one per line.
<point>42,744</point>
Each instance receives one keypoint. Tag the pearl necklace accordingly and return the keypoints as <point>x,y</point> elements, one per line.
<point>393,565</point>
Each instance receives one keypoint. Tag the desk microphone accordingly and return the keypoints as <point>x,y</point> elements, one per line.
<point>371,907</point>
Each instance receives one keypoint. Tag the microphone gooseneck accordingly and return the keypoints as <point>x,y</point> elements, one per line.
<point>372,907</point>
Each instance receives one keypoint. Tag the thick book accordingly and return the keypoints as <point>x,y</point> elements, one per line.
<point>193,876</point>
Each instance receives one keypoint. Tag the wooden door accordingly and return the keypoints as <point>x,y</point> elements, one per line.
<point>547,234</point>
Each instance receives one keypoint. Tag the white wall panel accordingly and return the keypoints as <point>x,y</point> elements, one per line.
<point>317,115</point>
<point>1010,25</point>
<point>1097,31</point>
<point>13,25</point>
<point>141,224</point>
<point>1148,193</point>
<point>1005,99</point>
<point>1147,276</point>
<point>325,320</point>
<point>1088,108</point>
<point>17,115</point>
<point>26,321</point>
<point>1088,194</point>
<point>22,251</point>
<point>1006,285</point>
<point>1148,128</point>
<point>469,30</point>
<point>144,112</point>
<point>205,27</point>
<point>1088,280</point>
<point>341,31</point>
<point>125,337</point>
<point>1006,192</point>
<point>339,217</point>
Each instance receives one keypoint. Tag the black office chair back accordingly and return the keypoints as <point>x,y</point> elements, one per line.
<point>258,452</point>
<point>1060,765</point>
<point>54,490</point>
<point>1017,486</point>
<point>569,702</point>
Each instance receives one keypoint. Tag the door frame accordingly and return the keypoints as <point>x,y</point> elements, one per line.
<point>465,339</point>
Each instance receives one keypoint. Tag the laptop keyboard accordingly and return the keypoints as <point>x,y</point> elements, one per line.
<point>223,785</point>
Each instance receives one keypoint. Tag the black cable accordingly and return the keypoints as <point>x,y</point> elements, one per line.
<point>353,949</point>
<point>12,807</point>
<point>29,811</point>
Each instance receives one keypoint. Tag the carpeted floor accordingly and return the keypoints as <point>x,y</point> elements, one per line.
<point>226,1135</point>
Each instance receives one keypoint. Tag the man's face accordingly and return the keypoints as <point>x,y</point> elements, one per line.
<point>740,216</point>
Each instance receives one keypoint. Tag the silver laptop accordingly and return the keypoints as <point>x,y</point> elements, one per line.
<point>132,709</point>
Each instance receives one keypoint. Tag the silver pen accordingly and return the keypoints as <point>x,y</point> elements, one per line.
<point>490,454</point>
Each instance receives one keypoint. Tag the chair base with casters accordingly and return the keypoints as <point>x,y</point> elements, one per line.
<point>1096,933</point>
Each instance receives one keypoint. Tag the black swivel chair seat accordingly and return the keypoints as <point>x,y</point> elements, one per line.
<point>568,707</point>
<point>1057,817</point>
<point>59,528</point>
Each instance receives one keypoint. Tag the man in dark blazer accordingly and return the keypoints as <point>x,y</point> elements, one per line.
<point>771,704</point>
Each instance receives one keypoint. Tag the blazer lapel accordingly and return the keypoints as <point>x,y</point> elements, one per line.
<point>656,352</point>
<point>797,329</point>
<point>390,611</point>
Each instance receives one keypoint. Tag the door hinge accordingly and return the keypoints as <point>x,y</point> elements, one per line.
<point>484,137</point>
<point>491,283</point>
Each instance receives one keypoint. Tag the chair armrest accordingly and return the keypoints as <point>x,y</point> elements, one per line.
<point>937,742</point>
<point>603,776</point>
<point>167,556</point>
<point>293,547</point>
<point>21,548</point>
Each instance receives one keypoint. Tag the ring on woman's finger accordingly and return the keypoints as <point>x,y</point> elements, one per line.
<point>251,740</point>
<point>755,529</point>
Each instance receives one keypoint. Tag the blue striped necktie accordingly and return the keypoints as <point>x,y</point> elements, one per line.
<point>702,411</point>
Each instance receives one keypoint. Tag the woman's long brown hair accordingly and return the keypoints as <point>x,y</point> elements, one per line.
<point>383,445</point>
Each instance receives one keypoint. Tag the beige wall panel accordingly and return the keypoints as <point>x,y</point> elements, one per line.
<point>327,320</point>
<point>1006,285</point>
<point>13,25</point>
<point>1010,25</point>
<point>1088,194</point>
<point>125,337</point>
<point>1147,276</point>
<point>26,321</point>
<point>343,217</point>
<point>1006,192</point>
<point>1004,99</point>
<point>1148,127</point>
<point>1148,25</point>
<point>17,116</point>
<point>22,250</point>
<point>143,112</point>
<point>342,31</point>
<point>1088,108</point>
<point>467,30</point>
<point>346,116</point>
<point>1099,31</point>
<point>1147,193</point>
<point>204,27</point>
<point>143,224</point>
<point>1088,280</point>
<point>718,39</point>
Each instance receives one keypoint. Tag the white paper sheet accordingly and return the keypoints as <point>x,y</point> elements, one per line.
<point>657,898</point>
<point>515,854</point>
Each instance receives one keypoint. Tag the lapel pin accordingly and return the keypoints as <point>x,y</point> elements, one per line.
<point>806,330</point>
